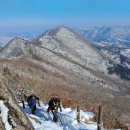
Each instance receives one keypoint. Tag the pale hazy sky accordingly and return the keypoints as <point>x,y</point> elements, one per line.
<point>22,14</point>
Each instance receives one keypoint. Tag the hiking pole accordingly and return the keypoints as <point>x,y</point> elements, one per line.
<point>78,114</point>
<point>23,104</point>
<point>38,103</point>
<point>99,117</point>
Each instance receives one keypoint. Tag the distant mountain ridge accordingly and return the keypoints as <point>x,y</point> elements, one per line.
<point>108,36</point>
<point>105,36</point>
<point>6,37</point>
<point>113,42</point>
<point>62,44</point>
<point>4,40</point>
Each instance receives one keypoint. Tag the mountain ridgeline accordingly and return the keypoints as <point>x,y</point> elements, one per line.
<point>69,50</point>
<point>108,36</point>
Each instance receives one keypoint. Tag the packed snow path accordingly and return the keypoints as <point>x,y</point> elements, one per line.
<point>43,121</point>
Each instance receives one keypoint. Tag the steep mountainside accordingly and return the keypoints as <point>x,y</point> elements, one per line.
<point>123,67</point>
<point>68,44</point>
<point>16,118</point>
<point>62,61</point>
<point>113,43</point>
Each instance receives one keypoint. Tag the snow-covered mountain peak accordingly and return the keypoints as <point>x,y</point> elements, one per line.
<point>16,41</point>
<point>64,31</point>
<point>60,31</point>
<point>70,44</point>
<point>15,48</point>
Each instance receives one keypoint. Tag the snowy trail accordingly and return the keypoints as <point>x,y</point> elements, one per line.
<point>43,121</point>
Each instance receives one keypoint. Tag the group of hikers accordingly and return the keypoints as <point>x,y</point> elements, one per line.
<point>53,105</point>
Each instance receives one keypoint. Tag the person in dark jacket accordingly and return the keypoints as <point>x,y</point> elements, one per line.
<point>32,100</point>
<point>30,97</point>
<point>53,105</point>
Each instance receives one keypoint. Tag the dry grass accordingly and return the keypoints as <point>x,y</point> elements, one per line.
<point>36,79</point>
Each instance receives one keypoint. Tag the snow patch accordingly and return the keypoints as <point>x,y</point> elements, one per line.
<point>4,115</point>
<point>67,119</point>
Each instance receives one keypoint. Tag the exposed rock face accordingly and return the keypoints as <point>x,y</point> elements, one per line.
<point>16,118</point>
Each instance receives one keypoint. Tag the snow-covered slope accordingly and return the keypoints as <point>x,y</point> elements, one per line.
<point>69,44</point>
<point>15,48</point>
<point>67,119</point>
<point>126,52</point>
<point>113,43</point>
<point>122,66</point>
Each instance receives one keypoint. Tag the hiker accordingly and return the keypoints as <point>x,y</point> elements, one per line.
<point>54,104</point>
<point>22,96</point>
<point>32,100</point>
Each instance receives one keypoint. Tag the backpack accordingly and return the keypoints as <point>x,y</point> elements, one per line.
<point>54,104</point>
